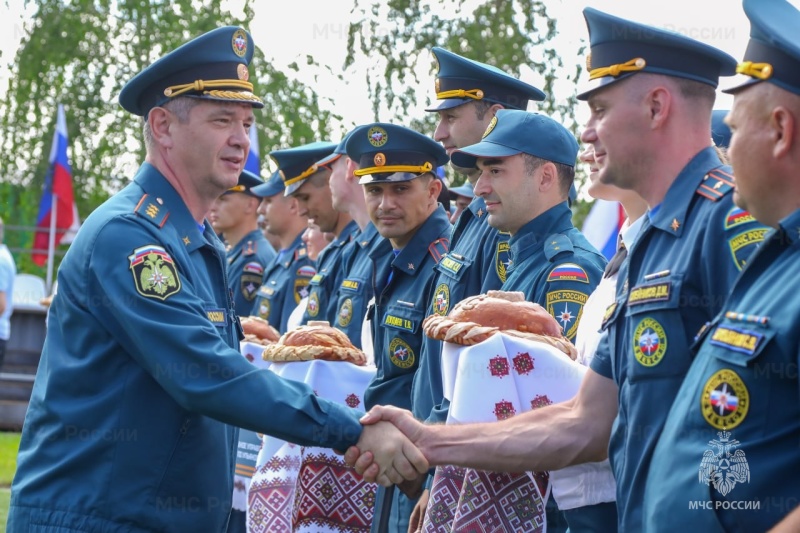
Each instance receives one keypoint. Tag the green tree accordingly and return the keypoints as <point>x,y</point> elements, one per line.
<point>80,53</point>
<point>397,37</point>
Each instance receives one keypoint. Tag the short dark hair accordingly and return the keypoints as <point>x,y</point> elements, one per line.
<point>566,173</point>
<point>481,108</point>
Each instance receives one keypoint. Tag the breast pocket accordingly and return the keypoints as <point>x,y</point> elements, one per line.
<point>656,332</point>
<point>449,287</point>
<point>402,327</point>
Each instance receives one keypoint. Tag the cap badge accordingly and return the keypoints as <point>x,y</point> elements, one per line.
<point>242,72</point>
<point>589,62</point>
<point>379,159</point>
<point>489,128</point>
<point>377,136</point>
<point>239,42</point>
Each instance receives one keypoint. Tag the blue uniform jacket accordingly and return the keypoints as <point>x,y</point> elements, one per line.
<point>247,262</point>
<point>396,318</point>
<point>727,459</point>
<point>676,278</point>
<point>555,266</point>
<point>476,263</point>
<point>355,289</point>
<point>285,284</point>
<point>140,377</point>
<point>321,299</point>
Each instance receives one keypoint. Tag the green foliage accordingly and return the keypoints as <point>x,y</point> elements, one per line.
<point>9,445</point>
<point>80,53</point>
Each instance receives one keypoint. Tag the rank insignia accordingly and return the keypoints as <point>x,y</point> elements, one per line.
<point>568,272</point>
<point>736,217</point>
<point>313,305</point>
<point>502,260</point>
<point>401,354</point>
<point>743,245</point>
<point>441,300</point>
<point>725,400</point>
<point>154,272</point>
<point>566,307</point>
<point>346,313</point>
<point>649,342</point>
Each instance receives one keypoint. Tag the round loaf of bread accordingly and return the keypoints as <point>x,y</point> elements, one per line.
<point>259,330</point>
<point>506,311</point>
<point>315,340</point>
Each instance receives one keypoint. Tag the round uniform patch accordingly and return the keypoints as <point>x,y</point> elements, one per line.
<point>377,136</point>
<point>401,353</point>
<point>725,400</point>
<point>239,42</point>
<point>346,313</point>
<point>263,309</point>
<point>441,300</point>
<point>313,304</point>
<point>649,342</point>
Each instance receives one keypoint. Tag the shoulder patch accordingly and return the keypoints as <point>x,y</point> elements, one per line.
<point>154,272</point>
<point>716,184</point>
<point>306,271</point>
<point>738,216</point>
<point>502,259</point>
<point>151,210</point>
<point>254,268</point>
<point>744,244</point>
<point>439,248</point>
<point>557,244</point>
<point>568,272</point>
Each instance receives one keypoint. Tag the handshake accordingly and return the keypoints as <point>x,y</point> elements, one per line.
<point>391,449</point>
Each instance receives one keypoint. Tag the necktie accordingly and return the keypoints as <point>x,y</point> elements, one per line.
<point>616,261</point>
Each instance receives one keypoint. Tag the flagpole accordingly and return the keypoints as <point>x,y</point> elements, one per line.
<point>51,242</point>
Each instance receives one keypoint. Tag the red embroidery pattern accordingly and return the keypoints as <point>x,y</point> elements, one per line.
<point>523,363</point>
<point>540,400</point>
<point>503,410</point>
<point>352,400</point>
<point>498,366</point>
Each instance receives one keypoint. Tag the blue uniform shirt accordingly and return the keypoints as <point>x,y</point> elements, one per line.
<point>355,289</point>
<point>247,262</point>
<point>396,318</point>
<point>131,419</point>
<point>729,445</point>
<point>676,278</point>
<point>285,284</point>
<point>321,299</point>
<point>555,266</point>
<point>476,263</point>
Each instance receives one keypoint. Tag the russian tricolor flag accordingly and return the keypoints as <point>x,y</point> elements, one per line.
<point>58,183</point>
<point>253,163</point>
<point>602,226</point>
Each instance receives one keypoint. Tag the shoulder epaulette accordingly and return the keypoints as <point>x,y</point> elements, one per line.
<point>152,210</point>
<point>250,248</point>
<point>716,184</point>
<point>557,244</point>
<point>438,249</point>
<point>300,253</point>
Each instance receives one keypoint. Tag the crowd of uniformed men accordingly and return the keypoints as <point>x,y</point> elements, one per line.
<point>688,416</point>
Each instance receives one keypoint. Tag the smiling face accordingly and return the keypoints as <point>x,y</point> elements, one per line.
<point>398,209</point>
<point>210,147</point>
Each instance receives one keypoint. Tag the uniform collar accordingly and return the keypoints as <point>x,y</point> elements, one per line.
<point>478,207</point>
<point>367,236</point>
<point>291,251</point>
<point>672,212</point>
<point>156,186</point>
<point>348,233</point>
<point>790,227</point>
<point>250,237</point>
<point>410,259</point>
<point>557,219</point>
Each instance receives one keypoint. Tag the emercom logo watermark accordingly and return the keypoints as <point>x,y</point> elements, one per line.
<point>724,466</point>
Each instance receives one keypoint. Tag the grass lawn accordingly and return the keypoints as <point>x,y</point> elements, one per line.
<point>9,444</point>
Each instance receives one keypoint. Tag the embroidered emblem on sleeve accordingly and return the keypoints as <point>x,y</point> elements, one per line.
<point>649,342</point>
<point>154,272</point>
<point>401,354</point>
<point>502,260</point>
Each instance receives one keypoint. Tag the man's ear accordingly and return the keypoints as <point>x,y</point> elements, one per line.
<point>548,177</point>
<point>782,124</point>
<point>659,103</point>
<point>160,121</point>
<point>435,188</point>
<point>351,167</point>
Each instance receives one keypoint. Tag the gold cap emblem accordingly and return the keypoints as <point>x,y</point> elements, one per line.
<point>379,159</point>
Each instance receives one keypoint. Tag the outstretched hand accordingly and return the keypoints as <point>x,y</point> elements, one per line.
<point>393,458</point>
<point>364,458</point>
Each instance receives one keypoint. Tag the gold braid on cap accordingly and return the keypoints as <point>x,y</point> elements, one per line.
<point>475,94</point>
<point>202,85</point>
<point>615,70</point>
<point>310,170</point>
<point>391,169</point>
<point>761,71</point>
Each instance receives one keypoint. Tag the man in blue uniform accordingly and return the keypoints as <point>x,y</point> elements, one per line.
<point>287,281</point>
<point>461,196</point>
<point>140,375</point>
<point>313,195</point>
<point>727,459</point>
<point>234,216</point>
<point>651,97</point>
<point>401,191</point>
<point>469,94</point>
